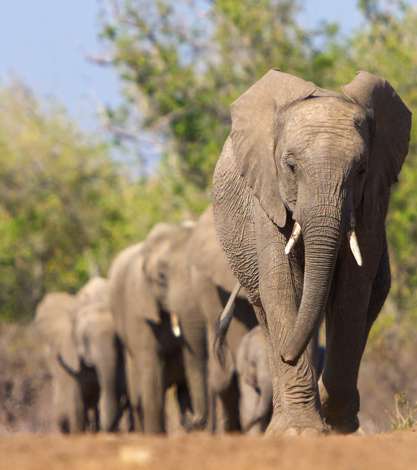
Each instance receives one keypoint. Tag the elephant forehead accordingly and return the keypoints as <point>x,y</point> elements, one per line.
<point>322,122</point>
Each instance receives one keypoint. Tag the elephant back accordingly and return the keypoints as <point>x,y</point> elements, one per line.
<point>54,313</point>
<point>96,290</point>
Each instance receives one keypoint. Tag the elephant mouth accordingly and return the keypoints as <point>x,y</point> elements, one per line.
<point>353,242</point>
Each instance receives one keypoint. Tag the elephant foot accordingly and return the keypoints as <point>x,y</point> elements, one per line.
<point>340,410</point>
<point>193,423</point>
<point>347,425</point>
<point>311,428</point>
<point>304,432</point>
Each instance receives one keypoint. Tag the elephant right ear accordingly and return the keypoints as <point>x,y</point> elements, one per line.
<point>390,138</point>
<point>254,138</point>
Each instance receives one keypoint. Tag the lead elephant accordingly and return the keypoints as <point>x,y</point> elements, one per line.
<point>157,321</point>
<point>212,282</point>
<point>303,163</point>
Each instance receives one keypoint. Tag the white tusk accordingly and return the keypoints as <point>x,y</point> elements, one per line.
<point>354,246</point>
<point>175,324</point>
<point>296,232</point>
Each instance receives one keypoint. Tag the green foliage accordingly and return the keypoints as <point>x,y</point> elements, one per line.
<point>61,207</point>
<point>183,71</point>
<point>66,207</point>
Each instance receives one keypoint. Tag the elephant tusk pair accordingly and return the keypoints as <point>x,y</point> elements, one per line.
<point>353,243</point>
<point>175,325</point>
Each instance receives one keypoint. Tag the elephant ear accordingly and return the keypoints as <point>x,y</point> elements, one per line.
<point>391,135</point>
<point>142,303</point>
<point>254,135</point>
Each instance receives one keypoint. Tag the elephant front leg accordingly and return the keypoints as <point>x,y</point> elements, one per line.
<point>348,322</point>
<point>133,391</point>
<point>195,364</point>
<point>295,392</point>
<point>147,390</point>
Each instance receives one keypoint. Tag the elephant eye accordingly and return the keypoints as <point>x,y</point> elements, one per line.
<point>290,163</point>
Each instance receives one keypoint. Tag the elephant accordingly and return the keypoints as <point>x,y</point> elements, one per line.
<point>84,357</point>
<point>212,282</point>
<point>300,198</point>
<point>160,328</point>
<point>100,353</point>
<point>53,323</point>
<point>255,384</point>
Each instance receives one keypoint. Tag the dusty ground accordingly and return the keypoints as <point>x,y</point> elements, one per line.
<point>27,440</point>
<point>200,452</point>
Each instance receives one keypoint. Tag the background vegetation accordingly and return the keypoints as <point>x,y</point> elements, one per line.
<point>67,205</point>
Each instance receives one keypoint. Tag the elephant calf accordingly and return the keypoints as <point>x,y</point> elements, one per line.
<point>254,382</point>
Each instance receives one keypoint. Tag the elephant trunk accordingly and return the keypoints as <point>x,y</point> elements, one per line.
<point>322,234</point>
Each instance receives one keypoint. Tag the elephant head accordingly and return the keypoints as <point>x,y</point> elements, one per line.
<point>162,266</point>
<point>320,164</point>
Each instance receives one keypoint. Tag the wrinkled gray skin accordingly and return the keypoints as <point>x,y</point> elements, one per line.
<point>84,357</point>
<point>326,160</point>
<point>255,382</point>
<point>149,282</point>
<point>212,282</point>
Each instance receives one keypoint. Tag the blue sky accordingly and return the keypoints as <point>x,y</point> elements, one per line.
<point>44,42</point>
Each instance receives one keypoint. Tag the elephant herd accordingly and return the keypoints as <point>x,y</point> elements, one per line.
<point>117,346</point>
<point>295,235</point>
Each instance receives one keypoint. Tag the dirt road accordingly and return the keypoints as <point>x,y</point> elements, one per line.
<point>200,452</point>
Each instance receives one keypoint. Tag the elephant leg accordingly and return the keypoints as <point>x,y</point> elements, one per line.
<point>229,406</point>
<point>219,375</point>
<point>295,393</point>
<point>152,384</point>
<point>68,403</point>
<point>223,391</point>
<point>106,362</point>
<point>195,365</point>
<point>184,403</point>
<point>133,392</point>
<point>108,404</point>
<point>212,418</point>
<point>348,323</point>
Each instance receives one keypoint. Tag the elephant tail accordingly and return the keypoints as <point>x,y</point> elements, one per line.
<point>223,323</point>
<point>72,372</point>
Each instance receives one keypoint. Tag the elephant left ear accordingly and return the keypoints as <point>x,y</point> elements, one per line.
<point>254,135</point>
<point>392,125</point>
